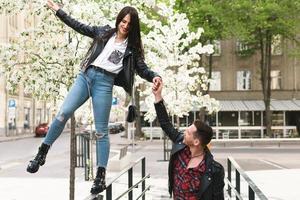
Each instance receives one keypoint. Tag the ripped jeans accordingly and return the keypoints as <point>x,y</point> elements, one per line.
<point>100,87</point>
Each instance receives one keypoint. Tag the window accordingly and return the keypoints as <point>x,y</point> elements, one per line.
<point>48,115</point>
<point>276,48</point>
<point>275,80</point>
<point>215,82</point>
<point>38,115</point>
<point>217,47</point>
<point>277,118</point>
<point>12,114</point>
<point>228,118</point>
<point>246,118</point>
<point>257,118</point>
<point>13,21</point>
<point>244,80</point>
<point>244,48</point>
<point>26,118</point>
<point>241,46</point>
<point>212,119</point>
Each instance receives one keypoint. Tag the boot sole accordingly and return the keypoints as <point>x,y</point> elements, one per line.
<point>32,171</point>
<point>97,191</point>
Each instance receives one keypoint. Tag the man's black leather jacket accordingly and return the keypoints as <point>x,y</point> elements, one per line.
<point>212,181</point>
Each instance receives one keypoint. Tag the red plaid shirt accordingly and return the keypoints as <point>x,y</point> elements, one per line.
<point>186,181</point>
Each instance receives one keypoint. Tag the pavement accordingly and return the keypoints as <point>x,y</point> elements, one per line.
<point>271,182</point>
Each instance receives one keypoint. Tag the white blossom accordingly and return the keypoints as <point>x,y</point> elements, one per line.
<point>45,59</point>
<point>173,51</point>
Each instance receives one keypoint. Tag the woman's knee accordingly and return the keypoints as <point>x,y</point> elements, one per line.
<point>63,116</point>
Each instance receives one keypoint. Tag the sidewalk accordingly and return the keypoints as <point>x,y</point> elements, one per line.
<point>17,137</point>
<point>21,136</point>
<point>272,182</point>
<point>278,184</point>
<point>47,188</point>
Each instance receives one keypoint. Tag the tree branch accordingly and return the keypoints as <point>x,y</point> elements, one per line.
<point>49,63</point>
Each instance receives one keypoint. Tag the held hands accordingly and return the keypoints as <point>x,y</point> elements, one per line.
<point>156,81</point>
<point>157,89</point>
<point>52,5</point>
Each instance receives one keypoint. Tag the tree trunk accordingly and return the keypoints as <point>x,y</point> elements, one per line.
<point>72,158</point>
<point>33,114</point>
<point>138,125</point>
<point>268,92</point>
<point>210,63</point>
<point>202,112</point>
<point>265,49</point>
<point>127,100</point>
<point>177,122</point>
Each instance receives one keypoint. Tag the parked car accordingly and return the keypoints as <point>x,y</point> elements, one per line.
<point>41,130</point>
<point>113,128</point>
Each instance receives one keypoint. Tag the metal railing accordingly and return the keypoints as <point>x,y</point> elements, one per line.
<point>253,190</point>
<point>131,186</point>
<point>167,148</point>
<point>129,192</point>
<point>83,153</point>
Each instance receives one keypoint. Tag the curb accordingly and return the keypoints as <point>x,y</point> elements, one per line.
<point>255,142</point>
<point>8,139</point>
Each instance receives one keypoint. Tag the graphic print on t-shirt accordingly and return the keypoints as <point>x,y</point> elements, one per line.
<point>115,57</point>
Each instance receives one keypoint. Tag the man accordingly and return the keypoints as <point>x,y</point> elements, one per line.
<point>193,173</point>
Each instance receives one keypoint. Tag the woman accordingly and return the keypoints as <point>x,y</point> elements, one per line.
<point>114,56</point>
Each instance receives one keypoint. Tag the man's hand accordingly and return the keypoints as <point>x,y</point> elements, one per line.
<point>53,6</point>
<point>156,90</point>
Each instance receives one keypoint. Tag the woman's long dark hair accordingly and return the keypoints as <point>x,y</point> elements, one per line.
<point>134,34</point>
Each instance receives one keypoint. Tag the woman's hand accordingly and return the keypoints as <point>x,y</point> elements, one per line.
<point>52,5</point>
<point>156,82</point>
<point>157,89</point>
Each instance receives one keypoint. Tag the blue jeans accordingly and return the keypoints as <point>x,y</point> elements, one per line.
<point>100,87</point>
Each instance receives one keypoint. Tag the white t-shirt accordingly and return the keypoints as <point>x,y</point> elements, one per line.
<point>111,57</point>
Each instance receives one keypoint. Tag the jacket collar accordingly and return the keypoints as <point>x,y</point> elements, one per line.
<point>128,51</point>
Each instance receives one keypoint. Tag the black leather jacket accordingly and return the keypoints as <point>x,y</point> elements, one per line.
<point>132,60</point>
<point>212,182</point>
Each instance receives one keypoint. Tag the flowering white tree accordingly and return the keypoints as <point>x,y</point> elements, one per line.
<point>45,58</point>
<point>174,52</point>
<point>52,53</point>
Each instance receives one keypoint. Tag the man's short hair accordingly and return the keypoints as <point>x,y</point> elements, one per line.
<point>204,132</point>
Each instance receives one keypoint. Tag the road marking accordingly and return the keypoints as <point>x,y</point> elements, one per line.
<point>273,164</point>
<point>9,165</point>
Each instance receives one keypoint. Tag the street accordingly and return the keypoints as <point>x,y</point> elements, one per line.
<point>53,176</point>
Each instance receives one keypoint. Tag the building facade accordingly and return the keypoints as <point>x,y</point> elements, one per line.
<point>236,84</point>
<point>20,113</point>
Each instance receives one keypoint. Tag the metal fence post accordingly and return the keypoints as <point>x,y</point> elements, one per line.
<point>130,182</point>
<point>165,152</point>
<point>86,149</point>
<point>251,193</point>
<point>237,182</point>
<point>109,192</point>
<point>143,175</point>
<point>229,175</point>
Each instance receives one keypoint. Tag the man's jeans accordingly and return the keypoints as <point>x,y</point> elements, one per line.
<point>100,87</point>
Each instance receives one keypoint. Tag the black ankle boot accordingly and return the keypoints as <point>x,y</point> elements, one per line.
<point>99,182</point>
<point>39,159</point>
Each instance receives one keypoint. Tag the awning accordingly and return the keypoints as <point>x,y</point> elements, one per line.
<point>250,105</point>
<point>258,105</point>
